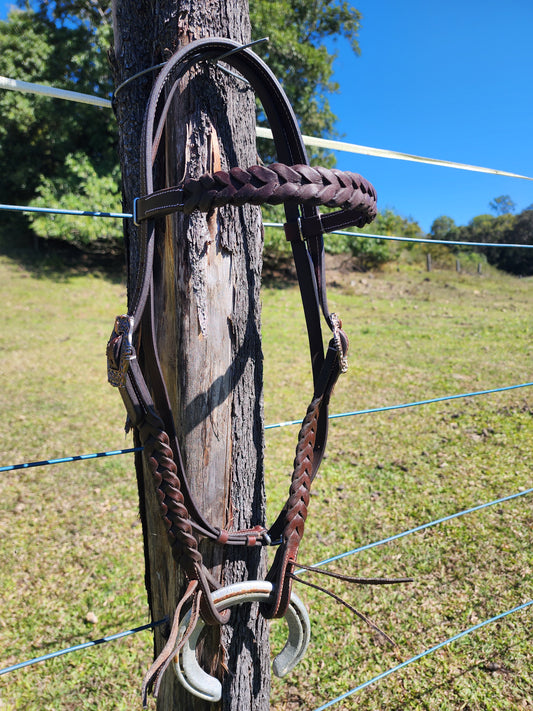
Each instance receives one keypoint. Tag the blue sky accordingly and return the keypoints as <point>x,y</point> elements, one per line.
<point>449,80</point>
<point>446,80</point>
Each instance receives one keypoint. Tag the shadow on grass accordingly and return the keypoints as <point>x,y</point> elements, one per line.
<point>53,259</point>
<point>58,260</point>
<point>278,273</point>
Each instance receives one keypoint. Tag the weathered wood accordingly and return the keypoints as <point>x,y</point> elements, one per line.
<point>207,278</point>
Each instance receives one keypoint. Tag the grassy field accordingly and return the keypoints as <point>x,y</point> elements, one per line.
<point>71,553</point>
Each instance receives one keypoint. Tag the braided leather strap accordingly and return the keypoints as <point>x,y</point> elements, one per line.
<point>259,185</point>
<point>294,513</point>
<point>175,514</point>
<point>301,188</point>
<point>171,502</point>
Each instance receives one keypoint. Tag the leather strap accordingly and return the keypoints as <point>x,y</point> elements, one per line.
<point>267,185</point>
<point>301,189</point>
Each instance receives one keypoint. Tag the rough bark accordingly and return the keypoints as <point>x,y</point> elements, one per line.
<point>207,277</point>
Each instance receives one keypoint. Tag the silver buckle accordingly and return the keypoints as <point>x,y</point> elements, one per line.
<point>123,327</point>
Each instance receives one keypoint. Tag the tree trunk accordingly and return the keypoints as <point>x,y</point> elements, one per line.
<point>207,277</point>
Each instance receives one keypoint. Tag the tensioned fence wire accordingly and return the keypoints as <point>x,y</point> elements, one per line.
<point>277,425</point>
<point>64,211</point>
<point>346,233</point>
<point>332,702</point>
<point>416,529</point>
<point>75,458</point>
<point>421,240</point>
<point>368,235</point>
<point>427,652</point>
<point>262,132</point>
<point>418,403</point>
<point>78,647</point>
<point>110,638</point>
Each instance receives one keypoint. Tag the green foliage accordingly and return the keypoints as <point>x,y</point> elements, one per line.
<point>515,260</point>
<point>64,43</point>
<point>277,249</point>
<point>297,54</point>
<point>443,227</point>
<point>37,133</point>
<point>371,253</point>
<point>79,184</point>
<point>368,252</point>
<point>503,205</point>
<point>39,136</point>
<point>504,228</point>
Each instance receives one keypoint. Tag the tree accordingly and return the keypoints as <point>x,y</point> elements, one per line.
<point>44,142</point>
<point>514,230</point>
<point>502,205</point>
<point>504,229</point>
<point>36,133</point>
<point>516,260</point>
<point>297,54</point>
<point>65,43</point>
<point>443,228</point>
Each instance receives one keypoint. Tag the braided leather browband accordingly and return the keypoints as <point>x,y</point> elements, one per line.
<point>301,189</point>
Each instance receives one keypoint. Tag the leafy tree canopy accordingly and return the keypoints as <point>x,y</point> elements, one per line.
<point>64,43</point>
<point>38,133</point>
<point>502,205</point>
<point>443,227</point>
<point>297,54</point>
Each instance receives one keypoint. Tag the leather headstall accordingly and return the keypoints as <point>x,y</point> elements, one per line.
<point>301,188</point>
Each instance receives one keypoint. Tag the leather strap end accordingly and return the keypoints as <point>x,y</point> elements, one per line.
<point>157,204</point>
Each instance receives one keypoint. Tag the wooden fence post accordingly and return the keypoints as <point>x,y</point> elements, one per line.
<point>207,278</point>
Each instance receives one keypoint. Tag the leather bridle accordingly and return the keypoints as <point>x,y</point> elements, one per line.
<point>301,189</point>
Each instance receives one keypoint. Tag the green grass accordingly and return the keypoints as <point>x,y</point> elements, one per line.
<point>71,538</point>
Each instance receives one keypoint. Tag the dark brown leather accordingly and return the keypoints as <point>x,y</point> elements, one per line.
<point>300,188</point>
<point>267,185</point>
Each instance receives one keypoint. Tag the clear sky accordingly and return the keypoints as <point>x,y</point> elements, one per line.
<point>449,80</point>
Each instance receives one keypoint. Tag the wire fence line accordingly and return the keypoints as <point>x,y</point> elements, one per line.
<point>416,529</point>
<point>425,653</point>
<point>75,458</point>
<point>346,233</point>
<point>277,425</point>
<point>78,647</point>
<point>52,92</point>
<point>405,405</point>
<point>64,211</point>
<point>262,132</point>
<point>120,635</point>
<point>419,240</point>
<point>329,704</point>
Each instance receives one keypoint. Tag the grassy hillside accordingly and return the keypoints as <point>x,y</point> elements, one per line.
<point>71,539</point>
